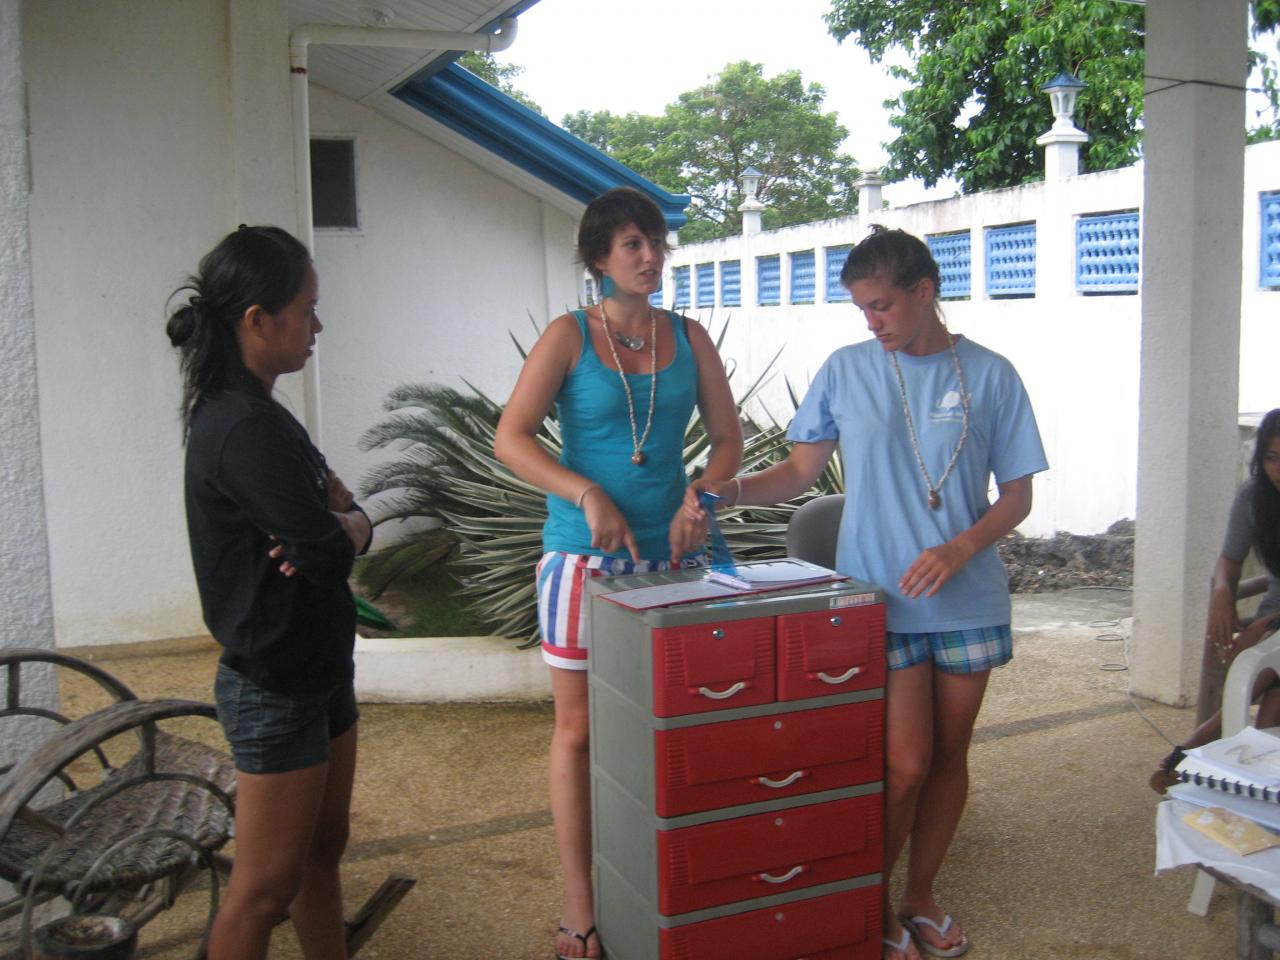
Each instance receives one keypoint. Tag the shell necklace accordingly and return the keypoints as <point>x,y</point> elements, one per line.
<point>637,440</point>
<point>934,499</point>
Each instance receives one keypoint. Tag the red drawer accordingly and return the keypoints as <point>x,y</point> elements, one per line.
<point>713,666</point>
<point>830,651</point>
<point>761,758</point>
<point>731,860</point>
<point>839,926</point>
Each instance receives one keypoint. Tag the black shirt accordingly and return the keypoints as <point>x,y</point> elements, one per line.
<point>253,477</point>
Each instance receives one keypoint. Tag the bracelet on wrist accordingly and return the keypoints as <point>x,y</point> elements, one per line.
<point>583,495</point>
<point>737,486</point>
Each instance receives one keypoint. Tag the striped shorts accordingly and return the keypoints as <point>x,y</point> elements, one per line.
<point>952,651</point>
<point>562,600</point>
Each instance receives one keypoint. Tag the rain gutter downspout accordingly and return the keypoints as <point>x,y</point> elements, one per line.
<point>319,33</point>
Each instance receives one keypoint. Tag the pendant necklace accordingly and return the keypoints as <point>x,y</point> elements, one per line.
<point>634,344</point>
<point>934,499</point>
<point>637,440</point>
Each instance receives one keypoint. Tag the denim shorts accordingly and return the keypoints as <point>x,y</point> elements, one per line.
<point>274,732</point>
<point>952,651</point>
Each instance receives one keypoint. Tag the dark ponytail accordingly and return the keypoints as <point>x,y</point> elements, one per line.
<point>263,266</point>
<point>1266,498</point>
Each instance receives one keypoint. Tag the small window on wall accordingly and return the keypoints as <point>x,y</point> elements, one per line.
<point>802,283</point>
<point>705,291</point>
<point>951,251</point>
<point>655,298</point>
<point>1011,260</point>
<point>333,184</point>
<point>591,292</point>
<point>731,283</point>
<point>835,258</point>
<point>768,281</point>
<point>1269,241</point>
<point>681,277</point>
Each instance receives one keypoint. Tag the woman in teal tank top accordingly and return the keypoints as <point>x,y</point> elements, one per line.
<point>624,378</point>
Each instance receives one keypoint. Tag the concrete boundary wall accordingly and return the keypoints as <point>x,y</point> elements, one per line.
<point>1077,353</point>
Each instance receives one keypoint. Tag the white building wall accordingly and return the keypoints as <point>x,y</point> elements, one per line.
<point>26,614</point>
<point>448,258</point>
<point>157,126</point>
<point>1077,354</point>
<point>131,147</point>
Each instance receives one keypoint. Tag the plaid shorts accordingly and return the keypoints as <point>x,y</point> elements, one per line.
<point>952,651</point>
<point>562,600</point>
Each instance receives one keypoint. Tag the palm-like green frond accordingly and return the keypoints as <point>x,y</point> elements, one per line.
<point>443,468</point>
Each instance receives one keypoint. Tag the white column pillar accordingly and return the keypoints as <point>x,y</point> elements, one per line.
<point>26,601</point>
<point>870,199</point>
<point>1189,394</point>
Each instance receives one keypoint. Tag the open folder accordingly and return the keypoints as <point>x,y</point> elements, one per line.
<point>746,578</point>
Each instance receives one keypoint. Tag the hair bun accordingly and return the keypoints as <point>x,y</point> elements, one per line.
<point>183,322</point>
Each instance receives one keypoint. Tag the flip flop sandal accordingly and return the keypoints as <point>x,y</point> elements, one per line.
<point>901,944</point>
<point>584,937</point>
<point>913,924</point>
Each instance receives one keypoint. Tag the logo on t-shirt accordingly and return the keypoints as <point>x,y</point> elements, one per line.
<point>948,409</point>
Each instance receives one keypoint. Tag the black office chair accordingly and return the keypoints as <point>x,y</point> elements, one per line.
<point>814,528</point>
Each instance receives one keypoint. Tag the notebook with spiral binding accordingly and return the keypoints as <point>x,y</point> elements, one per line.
<point>1246,764</point>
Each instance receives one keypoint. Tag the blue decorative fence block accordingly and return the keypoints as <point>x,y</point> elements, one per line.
<point>1107,257</point>
<point>835,257</point>
<point>655,298</point>
<point>591,291</point>
<point>731,283</point>
<point>1011,260</point>
<point>802,276</point>
<point>953,252</point>
<point>768,281</point>
<point>1269,241</point>
<point>705,285</point>
<point>681,277</point>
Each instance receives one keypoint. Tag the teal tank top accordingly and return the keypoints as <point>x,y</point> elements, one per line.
<point>596,436</point>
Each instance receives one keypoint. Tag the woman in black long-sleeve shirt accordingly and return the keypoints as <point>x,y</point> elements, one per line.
<point>273,534</point>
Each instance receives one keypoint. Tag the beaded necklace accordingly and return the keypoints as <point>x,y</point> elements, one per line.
<point>637,440</point>
<point>934,499</point>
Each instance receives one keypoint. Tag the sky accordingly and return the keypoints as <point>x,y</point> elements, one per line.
<point>623,57</point>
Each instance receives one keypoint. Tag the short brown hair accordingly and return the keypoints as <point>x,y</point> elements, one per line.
<point>609,212</point>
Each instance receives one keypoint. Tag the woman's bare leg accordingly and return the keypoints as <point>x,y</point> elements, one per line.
<point>316,910</point>
<point>570,788</point>
<point>276,816</point>
<point>957,698</point>
<point>908,746</point>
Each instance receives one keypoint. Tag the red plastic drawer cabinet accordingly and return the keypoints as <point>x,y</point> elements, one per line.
<point>737,753</point>
<point>840,926</point>
<point>830,651</point>
<point>711,666</point>
<point>731,860</point>
<point>763,758</point>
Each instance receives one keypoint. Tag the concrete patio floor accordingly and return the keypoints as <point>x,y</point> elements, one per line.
<point>1053,858</point>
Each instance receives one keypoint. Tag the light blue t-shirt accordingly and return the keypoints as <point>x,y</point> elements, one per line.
<point>595,430</point>
<point>887,521</point>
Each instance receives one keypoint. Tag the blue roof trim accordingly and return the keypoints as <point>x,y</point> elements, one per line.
<point>508,129</point>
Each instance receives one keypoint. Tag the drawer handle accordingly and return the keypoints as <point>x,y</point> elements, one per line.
<point>723,694</point>
<point>789,875</point>
<point>827,678</point>
<point>784,782</point>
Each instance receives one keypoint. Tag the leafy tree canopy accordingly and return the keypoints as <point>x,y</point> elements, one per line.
<point>974,106</point>
<point>705,140</point>
<point>500,75</point>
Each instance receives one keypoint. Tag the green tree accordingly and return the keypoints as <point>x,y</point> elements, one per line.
<point>974,107</point>
<point>705,140</point>
<point>500,75</point>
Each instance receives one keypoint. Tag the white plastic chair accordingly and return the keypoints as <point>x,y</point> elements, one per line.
<point>1236,700</point>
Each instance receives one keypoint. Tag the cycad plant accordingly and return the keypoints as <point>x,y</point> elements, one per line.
<point>490,521</point>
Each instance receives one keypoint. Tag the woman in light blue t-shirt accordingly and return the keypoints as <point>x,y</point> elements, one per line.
<point>624,378</point>
<point>924,420</point>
